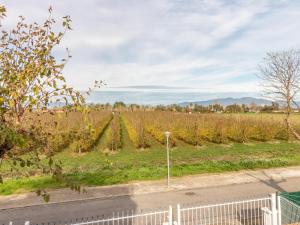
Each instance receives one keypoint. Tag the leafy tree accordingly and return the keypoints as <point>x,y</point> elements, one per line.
<point>202,109</point>
<point>174,108</point>
<point>160,108</point>
<point>134,107</point>
<point>270,108</point>
<point>245,108</point>
<point>235,108</point>
<point>31,78</point>
<point>2,11</point>
<point>119,105</point>
<point>217,108</point>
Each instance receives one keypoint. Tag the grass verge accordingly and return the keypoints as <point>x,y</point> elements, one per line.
<point>96,168</point>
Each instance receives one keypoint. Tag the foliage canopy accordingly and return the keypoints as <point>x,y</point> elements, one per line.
<point>31,78</point>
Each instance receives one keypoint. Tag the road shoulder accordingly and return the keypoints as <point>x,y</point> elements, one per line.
<point>138,188</point>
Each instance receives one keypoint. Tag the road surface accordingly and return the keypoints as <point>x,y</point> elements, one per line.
<point>61,213</point>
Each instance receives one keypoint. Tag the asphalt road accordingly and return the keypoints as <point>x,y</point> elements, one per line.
<point>62,213</point>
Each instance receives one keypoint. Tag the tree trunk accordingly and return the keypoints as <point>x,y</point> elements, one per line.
<point>289,127</point>
<point>294,132</point>
<point>287,123</point>
<point>288,112</point>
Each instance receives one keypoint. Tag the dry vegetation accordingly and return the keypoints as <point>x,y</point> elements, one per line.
<point>114,141</point>
<point>134,123</point>
<point>229,142</point>
<point>197,129</point>
<point>72,130</point>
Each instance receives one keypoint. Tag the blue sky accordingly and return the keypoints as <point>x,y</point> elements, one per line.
<point>212,45</point>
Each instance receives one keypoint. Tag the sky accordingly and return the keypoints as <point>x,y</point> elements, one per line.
<point>210,45</point>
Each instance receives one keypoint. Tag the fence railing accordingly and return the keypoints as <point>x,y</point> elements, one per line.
<point>260,211</point>
<point>248,212</point>
<point>267,216</point>
<point>129,218</point>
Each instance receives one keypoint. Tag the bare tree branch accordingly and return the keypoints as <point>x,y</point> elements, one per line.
<point>280,76</point>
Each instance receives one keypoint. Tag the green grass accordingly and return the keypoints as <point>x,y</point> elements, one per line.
<point>129,164</point>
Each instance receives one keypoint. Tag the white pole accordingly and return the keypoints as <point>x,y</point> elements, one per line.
<point>112,133</point>
<point>168,157</point>
<point>273,209</point>
<point>170,215</point>
<point>178,215</point>
<point>279,209</point>
<point>168,152</point>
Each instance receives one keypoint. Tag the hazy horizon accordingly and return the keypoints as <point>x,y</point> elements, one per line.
<point>160,96</point>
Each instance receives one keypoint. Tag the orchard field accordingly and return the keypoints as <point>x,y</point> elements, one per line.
<point>125,146</point>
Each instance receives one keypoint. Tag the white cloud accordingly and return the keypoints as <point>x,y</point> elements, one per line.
<point>212,44</point>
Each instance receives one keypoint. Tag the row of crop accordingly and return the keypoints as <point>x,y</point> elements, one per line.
<point>71,129</point>
<point>114,139</point>
<point>196,129</point>
<point>134,124</point>
<point>240,128</point>
<point>157,126</point>
<point>91,130</point>
<point>59,128</point>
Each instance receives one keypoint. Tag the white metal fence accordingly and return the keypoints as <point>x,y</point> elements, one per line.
<point>267,216</point>
<point>129,218</point>
<point>260,211</point>
<point>248,212</point>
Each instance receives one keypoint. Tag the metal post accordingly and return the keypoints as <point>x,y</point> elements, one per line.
<point>170,215</point>
<point>168,157</point>
<point>178,215</point>
<point>267,216</point>
<point>112,133</point>
<point>279,209</point>
<point>273,209</point>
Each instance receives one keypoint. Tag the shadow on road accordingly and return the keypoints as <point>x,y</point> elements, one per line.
<point>71,212</point>
<point>271,182</point>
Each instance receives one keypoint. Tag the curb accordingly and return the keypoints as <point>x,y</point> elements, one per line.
<point>93,198</point>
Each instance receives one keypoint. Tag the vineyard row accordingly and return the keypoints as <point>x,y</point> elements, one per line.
<point>83,133</point>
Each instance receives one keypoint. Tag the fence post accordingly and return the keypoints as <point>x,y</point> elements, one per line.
<point>279,209</point>
<point>170,215</point>
<point>267,216</point>
<point>178,215</point>
<point>274,209</point>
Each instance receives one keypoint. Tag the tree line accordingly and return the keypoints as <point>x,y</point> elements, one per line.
<point>213,108</point>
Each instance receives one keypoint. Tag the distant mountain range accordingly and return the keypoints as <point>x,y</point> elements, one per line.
<point>222,101</point>
<point>230,101</point>
<point>153,87</point>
